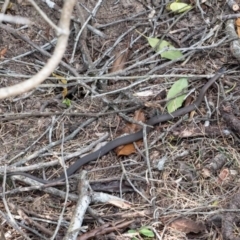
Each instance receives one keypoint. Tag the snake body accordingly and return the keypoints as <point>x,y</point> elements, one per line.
<point>129,138</point>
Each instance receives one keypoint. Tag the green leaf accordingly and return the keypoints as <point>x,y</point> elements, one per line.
<point>176,88</point>
<point>133,231</point>
<point>179,7</point>
<point>146,232</point>
<point>159,45</point>
<point>67,102</point>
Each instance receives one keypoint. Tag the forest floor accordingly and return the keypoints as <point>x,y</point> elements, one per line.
<point>181,182</point>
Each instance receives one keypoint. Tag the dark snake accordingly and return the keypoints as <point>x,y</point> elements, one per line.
<point>129,138</point>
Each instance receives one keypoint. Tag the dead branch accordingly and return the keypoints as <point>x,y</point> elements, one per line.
<point>52,63</point>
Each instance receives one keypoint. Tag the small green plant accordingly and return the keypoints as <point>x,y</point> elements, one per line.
<point>144,232</point>
<point>67,102</point>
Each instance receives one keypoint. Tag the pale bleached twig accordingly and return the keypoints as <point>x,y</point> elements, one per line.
<point>52,62</point>
<point>14,19</point>
<point>60,218</point>
<point>80,209</point>
<point>59,30</point>
<point>49,146</point>
<point>10,218</point>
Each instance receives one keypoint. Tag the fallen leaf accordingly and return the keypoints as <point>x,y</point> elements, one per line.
<point>176,88</point>
<point>223,175</point>
<point>178,7</point>
<point>64,81</point>
<point>3,52</point>
<point>187,225</point>
<point>146,232</point>
<point>126,150</point>
<point>170,52</point>
<point>188,100</point>
<point>132,127</point>
<point>120,61</point>
<point>238,26</point>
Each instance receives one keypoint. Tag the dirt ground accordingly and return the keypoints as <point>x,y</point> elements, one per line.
<point>180,183</point>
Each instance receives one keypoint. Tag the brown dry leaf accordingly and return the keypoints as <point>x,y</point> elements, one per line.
<point>3,52</point>
<point>63,81</point>
<point>188,101</point>
<point>153,105</point>
<point>132,127</point>
<point>120,61</point>
<point>223,175</point>
<point>128,149</point>
<point>238,26</point>
<point>119,64</point>
<point>187,225</point>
